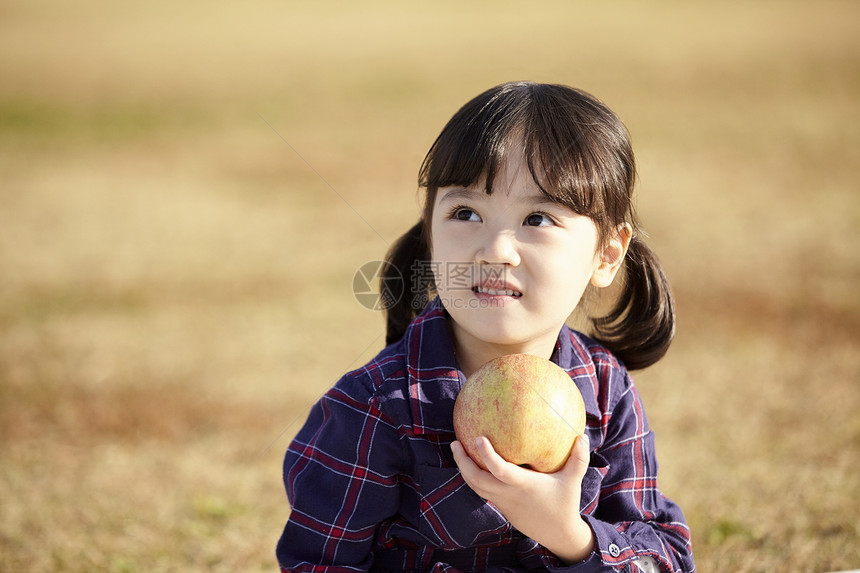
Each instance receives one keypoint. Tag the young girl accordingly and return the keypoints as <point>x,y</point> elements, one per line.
<point>528,203</point>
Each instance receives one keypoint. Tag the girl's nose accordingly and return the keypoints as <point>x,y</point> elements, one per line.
<point>499,248</point>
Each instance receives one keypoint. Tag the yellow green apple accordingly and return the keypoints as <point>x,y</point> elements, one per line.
<point>528,407</point>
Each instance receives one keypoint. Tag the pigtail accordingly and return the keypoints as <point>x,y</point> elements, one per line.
<point>641,327</point>
<point>406,262</point>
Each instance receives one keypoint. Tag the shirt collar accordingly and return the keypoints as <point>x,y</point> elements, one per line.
<point>433,375</point>
<point>572,354</point>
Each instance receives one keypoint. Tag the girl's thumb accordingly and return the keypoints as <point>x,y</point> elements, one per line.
<point>580,455</point>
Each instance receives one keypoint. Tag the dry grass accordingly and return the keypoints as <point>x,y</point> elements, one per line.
<point>172,272</point>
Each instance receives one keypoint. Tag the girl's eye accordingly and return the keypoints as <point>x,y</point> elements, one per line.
<point>465,214</point>
<point>539,220</point>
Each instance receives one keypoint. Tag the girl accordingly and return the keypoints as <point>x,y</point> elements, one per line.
<point>528,203</point>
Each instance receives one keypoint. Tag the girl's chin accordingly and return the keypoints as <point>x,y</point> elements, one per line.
<point>509,325</point>
<point>494,330</point>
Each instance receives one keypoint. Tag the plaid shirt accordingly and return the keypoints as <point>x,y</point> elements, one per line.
<point>373,485</point>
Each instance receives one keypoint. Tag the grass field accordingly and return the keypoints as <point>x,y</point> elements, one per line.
<point>186,190</point>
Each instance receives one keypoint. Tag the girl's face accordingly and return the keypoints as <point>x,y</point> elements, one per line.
<point>511,266</point>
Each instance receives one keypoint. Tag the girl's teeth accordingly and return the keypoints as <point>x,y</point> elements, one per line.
<point>497,292</point>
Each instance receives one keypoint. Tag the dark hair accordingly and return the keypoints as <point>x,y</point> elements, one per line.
<point>579,154</point>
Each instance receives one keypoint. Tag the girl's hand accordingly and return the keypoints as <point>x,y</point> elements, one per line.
<point>543,506</point>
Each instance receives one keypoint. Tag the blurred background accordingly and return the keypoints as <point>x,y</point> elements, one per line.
<point>187,189</point>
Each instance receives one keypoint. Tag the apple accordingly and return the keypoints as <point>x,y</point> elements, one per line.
<point>527,406</point>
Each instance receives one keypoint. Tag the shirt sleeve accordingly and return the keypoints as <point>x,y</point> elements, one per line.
<point>632,520</point>
<point>340,474</point>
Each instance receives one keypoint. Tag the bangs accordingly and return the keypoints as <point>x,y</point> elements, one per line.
<point>475,141</point>
<point>577,150</point>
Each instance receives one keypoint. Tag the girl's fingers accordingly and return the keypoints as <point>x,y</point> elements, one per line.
<point>461,458</point>
<point>484,482</point>
<point>503,470</point>
<point>472,473</point>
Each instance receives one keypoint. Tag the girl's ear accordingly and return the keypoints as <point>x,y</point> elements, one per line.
<point>609,260</point>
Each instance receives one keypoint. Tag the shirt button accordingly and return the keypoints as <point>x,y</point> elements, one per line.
<point>614,550</point>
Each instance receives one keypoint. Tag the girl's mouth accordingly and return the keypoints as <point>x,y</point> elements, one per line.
<point>501,291</point>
